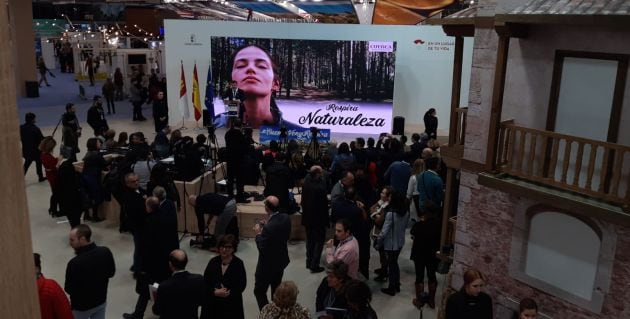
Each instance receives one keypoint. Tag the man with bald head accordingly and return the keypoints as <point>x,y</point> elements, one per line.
<point>272,236</point>
<point>181,295</point>
<point>314,216</point>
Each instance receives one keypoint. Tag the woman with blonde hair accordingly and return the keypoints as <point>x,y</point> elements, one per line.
<point>284,305</point>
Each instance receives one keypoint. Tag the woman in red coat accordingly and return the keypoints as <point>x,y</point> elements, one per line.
<point>51,165</point>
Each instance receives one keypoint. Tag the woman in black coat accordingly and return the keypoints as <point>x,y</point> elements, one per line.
<point>426,241</point>
<point>470,301</point>
<point>431,123</point>
<point>69,193</point>
<point>225,280</point>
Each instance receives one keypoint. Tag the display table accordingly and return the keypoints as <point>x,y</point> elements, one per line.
<point>186,217</point>
<point>248,213</point>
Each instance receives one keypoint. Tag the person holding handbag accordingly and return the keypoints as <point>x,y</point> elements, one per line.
<point>377,214</point>
<point>430,187</point>
<point>392,239</point>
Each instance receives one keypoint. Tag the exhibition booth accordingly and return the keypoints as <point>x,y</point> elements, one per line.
<point>350,80</point>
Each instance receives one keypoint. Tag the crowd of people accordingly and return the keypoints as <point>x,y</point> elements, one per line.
<point>371,193</point>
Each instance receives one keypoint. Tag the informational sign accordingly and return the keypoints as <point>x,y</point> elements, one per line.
<point>272,133</point>
<point>342,86</point>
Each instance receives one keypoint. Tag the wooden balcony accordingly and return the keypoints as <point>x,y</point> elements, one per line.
<point>599,170</point>
<point>453,152</point>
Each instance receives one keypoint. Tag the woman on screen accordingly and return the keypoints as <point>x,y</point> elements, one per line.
<point>256,76</point>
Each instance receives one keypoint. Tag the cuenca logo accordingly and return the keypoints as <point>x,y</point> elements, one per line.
<point>380,46</point>
<point>192,40</point>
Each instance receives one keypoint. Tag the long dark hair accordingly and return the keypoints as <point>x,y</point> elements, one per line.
<point>397,203</point>
<point>427,115</point>
<point>273,107</point>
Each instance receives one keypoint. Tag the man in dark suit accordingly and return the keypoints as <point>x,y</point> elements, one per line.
<point>236,146</point>
<point>232,93</point>
<point>314,216</point>
<point>160,112</point>
<point>278,182</point>
<point>96,117</point>
<point>31,136</point>
<point>167,214</point>
<point>153,250</point>
<point>133,211</point>
<point>180,296</point>
<point>273,255</point>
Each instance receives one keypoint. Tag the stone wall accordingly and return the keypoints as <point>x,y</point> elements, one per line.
<point>480,94</point>
<point>483,240</point>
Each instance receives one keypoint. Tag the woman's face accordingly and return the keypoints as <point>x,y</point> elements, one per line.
<point>529,314</point>
<point>226,250</point>
<point>333,281</point>
<point>253,72</point>
<point>385,196</point>
<point>474,288</point>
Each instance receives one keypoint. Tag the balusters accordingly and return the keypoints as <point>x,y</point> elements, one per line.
<point>604,171</point>
<point>510,146</point>
<point>617,170</point>
<point>566,160</point>
<point>521,150</point>
<point>591,167</point>
<point>578,164</point>
<point>554,159</point>
<point>532,154</point>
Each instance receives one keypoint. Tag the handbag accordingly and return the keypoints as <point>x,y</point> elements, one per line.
<point>443,267</point>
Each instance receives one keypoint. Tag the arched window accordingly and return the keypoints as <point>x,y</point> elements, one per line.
<point>563,251</point>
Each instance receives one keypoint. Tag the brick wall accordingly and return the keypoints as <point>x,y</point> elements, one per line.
<point>483,240</point>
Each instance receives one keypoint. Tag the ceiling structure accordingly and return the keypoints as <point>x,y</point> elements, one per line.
<point>399,12</point>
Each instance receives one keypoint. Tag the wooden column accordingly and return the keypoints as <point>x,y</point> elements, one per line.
<point>448,203</point>
<point>22,39</point>
<point>17,283</point>
<point>497,100</point>
<point>456,88</point>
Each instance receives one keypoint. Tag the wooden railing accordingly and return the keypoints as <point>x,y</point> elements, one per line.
<point>597,169</point>
<point>458,133</point>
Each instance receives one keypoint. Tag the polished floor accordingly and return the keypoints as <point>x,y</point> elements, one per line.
<point>50,239</point>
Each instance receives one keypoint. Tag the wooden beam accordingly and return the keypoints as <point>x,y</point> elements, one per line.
<point>497,100</point>
<point>18,284</point>
<point>456,89</point>
<point>464,30</point>
<point>551,196</point>
<point>620,21</point>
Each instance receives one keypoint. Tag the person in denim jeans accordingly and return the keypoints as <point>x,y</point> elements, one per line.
<point>392,239</point>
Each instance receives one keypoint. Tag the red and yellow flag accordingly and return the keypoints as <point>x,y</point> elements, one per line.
<point>196,99</point>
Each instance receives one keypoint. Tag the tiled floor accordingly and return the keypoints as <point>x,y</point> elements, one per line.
<point>50,239</point>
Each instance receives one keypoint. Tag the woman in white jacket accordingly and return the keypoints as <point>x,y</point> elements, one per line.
<point>412,189</point>
<point>392,239</point>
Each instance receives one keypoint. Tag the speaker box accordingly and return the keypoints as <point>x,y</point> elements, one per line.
<point>32,89</point>
<point>399,126</point>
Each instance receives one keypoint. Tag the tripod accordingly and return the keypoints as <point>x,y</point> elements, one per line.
<point>213,156</point>
<point>312,150</point>
<point>185,232</point>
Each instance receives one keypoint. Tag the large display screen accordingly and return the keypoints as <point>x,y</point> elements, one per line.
<point>344,86</point>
